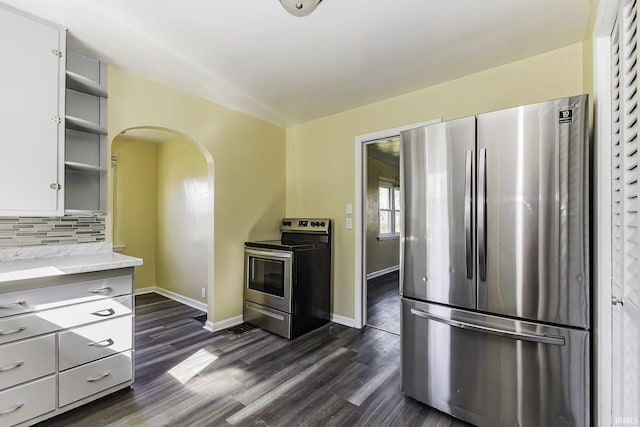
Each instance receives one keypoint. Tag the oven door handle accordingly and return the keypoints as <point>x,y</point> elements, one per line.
<point>268,254</point>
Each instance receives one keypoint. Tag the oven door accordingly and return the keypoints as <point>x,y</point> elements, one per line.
<point>267,278</point>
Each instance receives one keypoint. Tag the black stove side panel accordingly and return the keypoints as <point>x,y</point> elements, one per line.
<point>312,289</point>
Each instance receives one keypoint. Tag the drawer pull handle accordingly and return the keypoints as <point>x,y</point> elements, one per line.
<point>11,304</point>
<point>13,331</point>
<point>103,343</point>
<point>104,290</point>
<point>12,409</point>
<point>104,313</point>
<point>10,367</point>
<point>98,378</point>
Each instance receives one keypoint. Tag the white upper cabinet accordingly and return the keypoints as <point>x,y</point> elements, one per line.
<point>32,98</point>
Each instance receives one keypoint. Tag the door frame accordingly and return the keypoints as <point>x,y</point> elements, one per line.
<point>602,333</point>
<point>361,141</point>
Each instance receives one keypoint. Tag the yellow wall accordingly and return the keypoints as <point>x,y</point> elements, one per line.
<point>321,154</point>
<point>135,205</point>
<point>249,156</point>
<point>381,254</point>
<point>184,218</point>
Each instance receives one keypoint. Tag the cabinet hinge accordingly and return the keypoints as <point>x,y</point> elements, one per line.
<point>57,52</point>
<point>615,300</point>
<point>56,119</point>
<point>55,186</point>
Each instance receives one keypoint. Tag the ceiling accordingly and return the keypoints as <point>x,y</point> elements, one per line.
<point>253,56</point>
<point>387,150</point>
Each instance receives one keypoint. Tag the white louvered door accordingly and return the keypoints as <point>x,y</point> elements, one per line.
<point>625,217</point>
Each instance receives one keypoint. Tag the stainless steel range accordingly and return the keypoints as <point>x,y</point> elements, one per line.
<point>287,282</point>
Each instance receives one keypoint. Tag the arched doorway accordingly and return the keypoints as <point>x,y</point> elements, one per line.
<point>161,198</point>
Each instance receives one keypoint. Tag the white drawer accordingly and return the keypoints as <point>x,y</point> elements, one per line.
<point>88,343</point>
<point>28,401</point>
<point>28,325</point>
<point>88,312</point>
<point>83,381</point>
<point>43,298</point>
<point>27,360</point>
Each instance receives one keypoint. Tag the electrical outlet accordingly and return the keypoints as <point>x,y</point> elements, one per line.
<point>349,224</point>
<point>349,208</point>
<point>204,292</point>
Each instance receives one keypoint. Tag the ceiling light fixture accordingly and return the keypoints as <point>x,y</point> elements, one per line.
<point>300,7</point>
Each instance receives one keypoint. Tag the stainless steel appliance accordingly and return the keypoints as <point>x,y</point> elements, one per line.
<point>495,266</point>
<point>287,282</point>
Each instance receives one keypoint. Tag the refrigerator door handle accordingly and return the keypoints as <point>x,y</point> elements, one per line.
<point>542,339</point>
<point>482,214</point>
<point>468,209</point>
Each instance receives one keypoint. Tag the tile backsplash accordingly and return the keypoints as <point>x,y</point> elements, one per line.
<point>69,229</point>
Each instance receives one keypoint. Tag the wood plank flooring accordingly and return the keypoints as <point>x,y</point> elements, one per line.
<point>383,303</point>
<point>186,376</point>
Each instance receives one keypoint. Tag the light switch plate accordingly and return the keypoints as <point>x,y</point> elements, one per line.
<point>349,224</point>
<point>349,208</point>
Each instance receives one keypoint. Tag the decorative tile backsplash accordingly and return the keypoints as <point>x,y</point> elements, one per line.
<point>69,229</point>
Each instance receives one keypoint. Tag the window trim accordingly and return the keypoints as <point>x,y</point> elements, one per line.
<point>392,185</point>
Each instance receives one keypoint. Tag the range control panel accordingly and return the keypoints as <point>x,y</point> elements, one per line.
<point>306,225</point>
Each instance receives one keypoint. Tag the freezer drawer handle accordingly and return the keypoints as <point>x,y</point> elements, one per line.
<point>543,339</point>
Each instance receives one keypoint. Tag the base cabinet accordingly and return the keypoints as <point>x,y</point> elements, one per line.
<point>65,344</point>
<point>95,377</point>
<point>28,401</point>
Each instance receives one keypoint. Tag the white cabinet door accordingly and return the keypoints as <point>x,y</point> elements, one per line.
<point>625,284</point>
<point>32,143</point>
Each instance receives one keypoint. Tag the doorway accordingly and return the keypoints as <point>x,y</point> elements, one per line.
<point>162,203</point>
<point>360,220</point>
<point>383,217</point>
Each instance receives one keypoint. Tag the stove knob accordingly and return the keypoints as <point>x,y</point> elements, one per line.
<point>322,224</point>
<point>313,223</point>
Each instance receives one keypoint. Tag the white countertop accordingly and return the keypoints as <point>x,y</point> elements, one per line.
<point>38,262</point>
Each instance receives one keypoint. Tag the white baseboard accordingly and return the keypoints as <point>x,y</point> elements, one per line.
<point>382,272</point>
<point>226,323</point>
<point>223,324</point>
<point>342,320</point>
<point>198,305</point>
<point>147,290</point>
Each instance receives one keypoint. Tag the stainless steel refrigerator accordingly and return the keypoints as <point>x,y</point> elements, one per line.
<point>495,266</point>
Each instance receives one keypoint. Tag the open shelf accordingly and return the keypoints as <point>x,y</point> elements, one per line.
<point>83,167</point>
<point>83,125</point>
<point>86,149</point>
<point>83,84</point>
<point>83,212</point>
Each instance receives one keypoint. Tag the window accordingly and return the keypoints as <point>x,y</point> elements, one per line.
<point>389,210</point>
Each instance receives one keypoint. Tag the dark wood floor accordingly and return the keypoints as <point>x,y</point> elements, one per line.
<point>186,376</point>
<point>383,303</point>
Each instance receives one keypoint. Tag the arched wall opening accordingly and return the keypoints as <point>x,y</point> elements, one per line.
<point>162,199</point>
